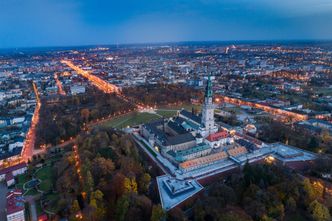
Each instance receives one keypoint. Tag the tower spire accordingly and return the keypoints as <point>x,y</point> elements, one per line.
<point>208,125</point>
<point>208,88</point>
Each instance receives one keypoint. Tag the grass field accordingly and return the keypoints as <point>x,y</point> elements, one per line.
<point>45,175</point>
<point>166,113</point>
<point>21,179</point>
<point>137,118</point>
<point>130,120</point>
<point>31,192</point>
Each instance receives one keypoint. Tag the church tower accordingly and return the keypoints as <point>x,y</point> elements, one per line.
<point>208,125</point>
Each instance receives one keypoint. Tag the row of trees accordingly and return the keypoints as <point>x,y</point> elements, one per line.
<point>162,94</point>
<point>60,121</point>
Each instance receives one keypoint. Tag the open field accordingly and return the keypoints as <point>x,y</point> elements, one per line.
<point>136,118</point>
<point>130,120</point>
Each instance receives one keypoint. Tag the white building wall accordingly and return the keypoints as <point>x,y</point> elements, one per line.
<point>18,216</point>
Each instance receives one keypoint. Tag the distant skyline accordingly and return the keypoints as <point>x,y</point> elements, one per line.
<point>35,23</point>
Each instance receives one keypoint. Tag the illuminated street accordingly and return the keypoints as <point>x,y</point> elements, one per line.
<point>59,85</point>
<point>29,144</point>
<point>101,84</point>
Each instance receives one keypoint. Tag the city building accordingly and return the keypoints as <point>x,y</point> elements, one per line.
<point>9,173</point>
<point>77,89</point>
<point>15,206</point>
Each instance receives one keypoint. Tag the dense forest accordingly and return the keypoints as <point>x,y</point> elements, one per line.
<point>263,193</point>
<point>115,183</point>
<point>273,131</point>
<point>64,119</point>
<point>163,94</point>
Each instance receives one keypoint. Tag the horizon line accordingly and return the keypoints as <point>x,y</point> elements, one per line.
<point>168,42</point>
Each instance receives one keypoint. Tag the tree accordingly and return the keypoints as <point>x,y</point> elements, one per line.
<point>157,213</point>
<point>75,207</point>
<point>98,209</point>
<point>89,183</point>
<point>313,143</point>
<point>144,183</point>
<point>291,204</point>
<point>85,113</point>
<point>319,212</point>
<point>121,208</point>
<point>130,185</point>
<point>309,190</point>
<point>117,185</point>
<point>234,216</point>
<point>102,167</point>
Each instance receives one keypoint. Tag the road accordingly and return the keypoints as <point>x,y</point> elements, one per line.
<point>59,85</point>
<point>96,81</point>
<point>29,144</point>
<point>101,84</point>
<point>272,110</point>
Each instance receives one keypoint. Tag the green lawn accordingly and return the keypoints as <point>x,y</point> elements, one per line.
<point>171,111</point>
<point>136,118</point>
<point>31,192</point>
<point>21,179</point>
<point>131,120</point>
<point>45,174</point>
<point>149,149</point>
<point>166,113</point>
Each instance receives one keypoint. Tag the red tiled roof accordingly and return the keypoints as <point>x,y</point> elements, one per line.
<point>15,201</point>
<point>217,136</point>
<point>12,168</point>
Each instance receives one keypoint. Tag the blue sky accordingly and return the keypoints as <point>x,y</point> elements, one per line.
<point>28,23</point>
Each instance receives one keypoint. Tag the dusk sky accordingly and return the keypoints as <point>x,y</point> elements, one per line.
<point>28,23</point>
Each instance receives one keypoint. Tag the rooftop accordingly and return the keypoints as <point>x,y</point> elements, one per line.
<point>288,153</point>
<point>13,168</point>
<point>172,191</point>
<point>191,116</point>
<point>15,201</point>
<point>217,136</point>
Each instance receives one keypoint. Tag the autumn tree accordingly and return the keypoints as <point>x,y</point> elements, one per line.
<point>157,213</point>
<point>319,212</point>
<point>102,167</point>
<point>89,182</point>
<point>85,113</point>
<point>130,185</point>
<point>97,206</point>
<point>121,208</point>
<point>144,182</point>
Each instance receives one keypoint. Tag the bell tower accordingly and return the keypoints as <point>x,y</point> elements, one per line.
<point>208,109</point>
